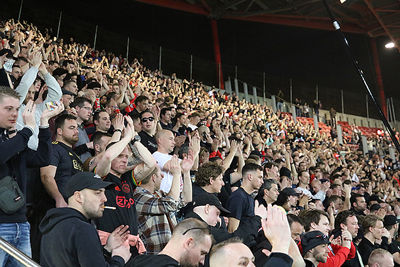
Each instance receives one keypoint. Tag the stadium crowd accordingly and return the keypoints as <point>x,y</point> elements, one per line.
<point>105,162</point>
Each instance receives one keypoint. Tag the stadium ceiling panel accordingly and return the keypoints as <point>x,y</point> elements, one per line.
<point>372,17</point>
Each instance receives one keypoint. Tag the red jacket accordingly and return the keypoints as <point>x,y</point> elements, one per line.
<point>339,256</point>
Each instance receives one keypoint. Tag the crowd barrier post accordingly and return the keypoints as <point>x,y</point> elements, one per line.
<point>95,37</point>
<point>264,88</point>
<point>291,90</point>
<point>159,59</point>
<point>316,126</point>
<point>273,98</point>
<point>236,72</point>
<point>59,24</point>
<point>294,114</point>
<point>246,92</point>
<point>366,105</point>
<point>191,68</point>
<point>20,10</point>
<point>393,110</point>
<point>127,49</point>
<point>339,133</point>
<point>364,144</point>
<point>316,92</point>
<point>341,97</point>
<point>255,95</point>
<point>236,87</point>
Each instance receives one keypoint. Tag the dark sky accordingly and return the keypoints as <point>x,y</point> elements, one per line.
<point>309,57</point>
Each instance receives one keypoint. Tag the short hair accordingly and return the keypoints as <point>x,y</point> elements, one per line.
<point>164,110</point>
<point>135,116</point>
<point>300,173</point>
<point>6,91</point>
<point>141,99</point>
<point>178,115</point>
<point>194,114</point>
<point>59,122</point>
<point>353,198</point>
<point>146,179</point>
<point>206,171</point>
<point>96,115</point>
<point>80,102</point>
<point>194,227</point>
<point>294,218</point>
<point>342,217</point>
<point>269,164</point>
<point>219,248</point>
<point>67,82</point>
<point>146,111</point>
<point>268,184</point>
<point>377,255</point>
<point>312,216</point>
<point>370,221</point>
<point>251,167</point>
<point>96,138</point>
<point>331,199</point>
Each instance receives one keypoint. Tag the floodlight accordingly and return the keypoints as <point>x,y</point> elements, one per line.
<point>389,45</point>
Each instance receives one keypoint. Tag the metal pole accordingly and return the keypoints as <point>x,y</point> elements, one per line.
<point>366,104</point>
<point>59,24</point>
<point>236,72</point>
<point>341,95</point>
<point>20,10</point>
<point>389,110</point>
<point>291,90</point>
<point>393,110</point>
<point>17,254</point>
<point>219,75</point>
<point>263,88</point>
<point>127,49</point>
<point>159,58</point>
<point>95,38</point>
<point>316,92</point>
<point>191,67</point>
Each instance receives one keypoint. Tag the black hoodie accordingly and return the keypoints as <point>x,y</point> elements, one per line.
<point>70,240</point>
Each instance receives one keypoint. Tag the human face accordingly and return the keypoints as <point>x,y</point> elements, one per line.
<point>9,107</point>
<point>320,253</point>
<point>323,225</point>
<point>360,204</point>
<point>272,193</point>
<point>212,215</point>
<point>137,125</point>
<point>167,116</point>
<point>377,231</point>
<point>147,122</point>
<point>167,141</point>
<point>217,184</point>
<point>84,112</point>
<point>352,225</point>
<point>142,106</point>
<point>69,132</point>
<point>103,123</point>
<point>72,87</point>
<point>16,72</point>
<point>305,178</point>
<point>257,179</point>
<point>296,230</point>
<point>67,100</point>
<point>196,252</point>
<point>119,164</point>
<point>292,201</point>
<point>93,202</point>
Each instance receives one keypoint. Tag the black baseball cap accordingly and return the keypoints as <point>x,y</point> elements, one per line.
<point>390,220</point>
<point>312,239</point>
<point>66,92</point>
<point>210,199</point>
<point>83,180</point>
<point>290,192</point>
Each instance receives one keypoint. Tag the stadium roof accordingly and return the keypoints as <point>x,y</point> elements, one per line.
<point>372,17</point>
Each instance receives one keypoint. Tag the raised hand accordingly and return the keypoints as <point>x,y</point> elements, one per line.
<point>118,122</point>
<point>187,162</point>
<point>29,114</point>
<point>48,114</point>
<point>117,237</point>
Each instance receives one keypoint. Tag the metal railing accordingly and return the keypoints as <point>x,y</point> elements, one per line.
<point>17,254</point>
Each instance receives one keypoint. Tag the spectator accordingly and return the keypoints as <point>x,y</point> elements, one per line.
<point>315,248</point>
<point>268,192</point>
<point>241,204</point>
<point>148,130</point>
<point>296,227</point>
<point>373,231</point>
<point>379,258</point>
<point>165,118</point>
<point>16,156</point>
<point>188,246</point>
<point>68,237</point>
<point>142,103</point>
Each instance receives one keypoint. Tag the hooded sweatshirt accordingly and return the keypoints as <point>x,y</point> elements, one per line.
<point>70,240</point>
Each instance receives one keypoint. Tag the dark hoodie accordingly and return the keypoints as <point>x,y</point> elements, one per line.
<point>70,240</point>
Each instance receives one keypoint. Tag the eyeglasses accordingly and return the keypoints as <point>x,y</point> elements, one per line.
<point>196,228</point>
<point>147,119</point>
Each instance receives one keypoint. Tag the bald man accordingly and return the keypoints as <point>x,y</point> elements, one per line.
<point>380,258</point>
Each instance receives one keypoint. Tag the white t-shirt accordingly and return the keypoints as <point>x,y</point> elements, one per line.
<point>166,182</point>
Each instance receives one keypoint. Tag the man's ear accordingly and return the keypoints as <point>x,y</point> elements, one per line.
<point>59,131</point>
<point>189,243</point>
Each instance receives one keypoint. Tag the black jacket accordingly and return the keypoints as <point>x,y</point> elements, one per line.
<point>247,230</point>
<point>70,240</point>
<point>16,157</point>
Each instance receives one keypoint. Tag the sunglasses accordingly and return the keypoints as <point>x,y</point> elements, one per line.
<point>147,119</point>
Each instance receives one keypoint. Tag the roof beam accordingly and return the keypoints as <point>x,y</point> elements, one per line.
<point>378,18</point>
<point>178,5</point>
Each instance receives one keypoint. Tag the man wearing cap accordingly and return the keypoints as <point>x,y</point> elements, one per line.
<point>315,248</point>
<point>287,199</point>
<point>69,239</point>
<point>67,98</point>
<point>207,207</point>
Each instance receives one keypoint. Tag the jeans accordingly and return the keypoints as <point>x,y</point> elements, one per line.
<point>17,234</point>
